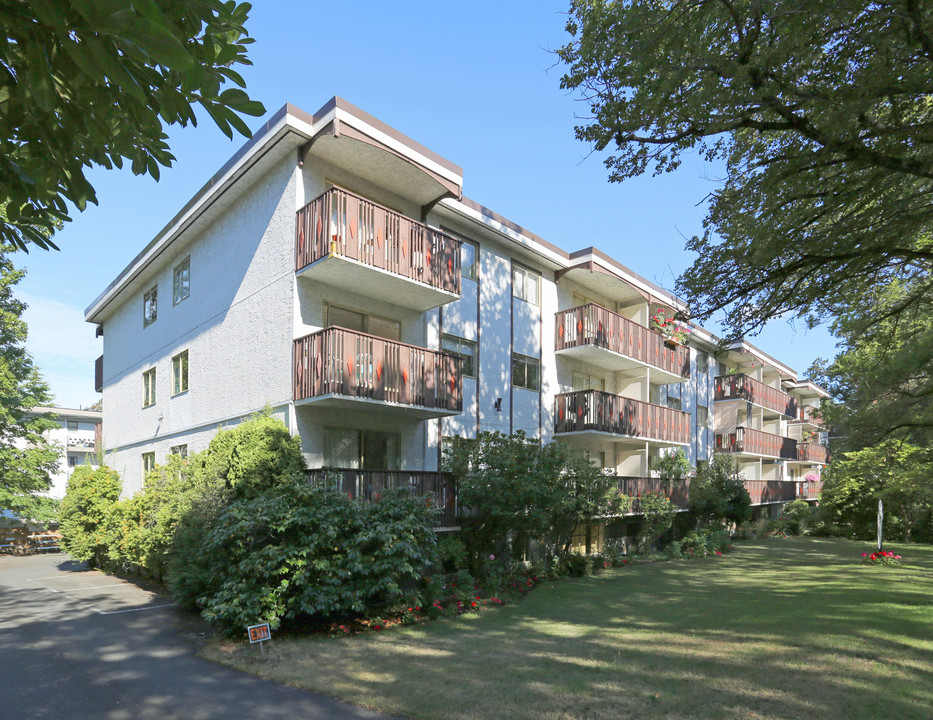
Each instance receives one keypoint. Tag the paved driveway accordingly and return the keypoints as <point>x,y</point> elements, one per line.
<point>77,644</point>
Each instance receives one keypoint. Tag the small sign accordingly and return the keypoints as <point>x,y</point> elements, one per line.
<point>258,633</point>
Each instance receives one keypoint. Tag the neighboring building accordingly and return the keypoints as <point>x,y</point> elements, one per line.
<point>76,434</point>
<point>333,271</point>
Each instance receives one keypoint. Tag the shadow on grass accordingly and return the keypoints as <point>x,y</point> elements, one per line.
<point>790,628</point>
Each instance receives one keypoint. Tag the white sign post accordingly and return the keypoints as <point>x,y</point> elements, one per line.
<point>880,524</point>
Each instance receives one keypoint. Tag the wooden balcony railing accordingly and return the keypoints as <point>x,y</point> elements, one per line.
<point>368,485</point>
<point>812,452</point>
<point>763,492</point>
<point>341,223</point>
<point>809,490</point>
<point>594,410</point>
<point>593,324</point>
<point>677,491</point>
<point>756,442</point>
<point>730,387</point>
<point>344,362</point>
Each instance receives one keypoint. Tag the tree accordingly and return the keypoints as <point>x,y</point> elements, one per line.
<point>718,493</point>
<point>27,460</point>
<point>882,379</point>
<point>821,112</point>
<point>91,83</point>
<point>893,471</point>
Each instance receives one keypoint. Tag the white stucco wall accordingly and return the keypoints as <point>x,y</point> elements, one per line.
<point>235,325</point>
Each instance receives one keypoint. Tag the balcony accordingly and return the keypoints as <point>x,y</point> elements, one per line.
<point>812,453</point>
<point>352,370</point>
<point>353,244</point>
<point>619,418</point>
<point>746,441</point>
<point>743,387</point>
<point>765,492</point>
<point>597,336</point>
<point>677,491</point>
<point>368,485</point>
<point>809,490</point>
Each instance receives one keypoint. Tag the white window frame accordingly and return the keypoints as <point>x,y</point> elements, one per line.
<point>150,299</point>
<point>148,463</point>
<point>461,343</point>
<point>520,283</point>
<point>183,292</point>
<point>180,373</point>
<point>149,387</point>
<point>527,361</point>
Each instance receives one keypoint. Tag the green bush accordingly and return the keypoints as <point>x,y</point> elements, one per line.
<point>657,517</point>
<point>718,494</point>
<point>451,553</point>
<point>303,549</point>
<point>89,497</point>
<point>796,515</point>
<point>250,457</point>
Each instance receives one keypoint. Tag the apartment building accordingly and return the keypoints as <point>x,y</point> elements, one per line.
<point>76,435</point>
<point>334,271</point>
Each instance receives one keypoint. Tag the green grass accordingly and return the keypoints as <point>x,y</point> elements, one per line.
<point>783,628</point>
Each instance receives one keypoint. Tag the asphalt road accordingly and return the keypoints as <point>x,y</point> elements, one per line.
<point>76,644</point>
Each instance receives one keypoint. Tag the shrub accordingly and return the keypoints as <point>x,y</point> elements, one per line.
<point>250,457</point>
<point>519,492</point>
<point>658,516</point>
<point>718,493</point>
<point>796,515</point>
<point>303,549</point>
<point>90,494</point>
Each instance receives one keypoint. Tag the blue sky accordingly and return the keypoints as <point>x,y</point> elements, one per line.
<point>475,82</point>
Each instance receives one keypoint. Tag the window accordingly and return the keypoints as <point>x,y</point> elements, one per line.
<point>703,363</point>
<point>673,402</point>
<point>468,267</point>
<point>72,424</point>
<point>148,462</point>
<point>180,373</point>
<point>371,324</point>
<point>150,306</point>
<point>361,449</point>
<point>525,371</point>
<point>72,461</point>
<point>585,381</point>
<point>702,416</point>
<point>526,284</point>
<point>181,450</point>
<point>181,281</point>
<point>149,387</point>
<point>465,349</point>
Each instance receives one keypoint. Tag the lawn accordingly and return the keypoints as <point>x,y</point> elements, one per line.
<point>782,628</point>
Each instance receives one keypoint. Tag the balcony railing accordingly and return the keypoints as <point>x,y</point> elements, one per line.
<point>763,492</point>
<point>352,364</point>
<point>597,411</point>
<point>677,491</point>
<point>343,224</point>
<point>755,442</point>
<point>369,485</point>
<point>594,325</point>
<point>809,490</point>
<point>812,452</point>
<point>730,387</point>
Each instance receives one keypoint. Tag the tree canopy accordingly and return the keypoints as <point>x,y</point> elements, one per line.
<point>822,114</point>
<point>26,458</point>
<point>882,379</point>
<point>91,82</point>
